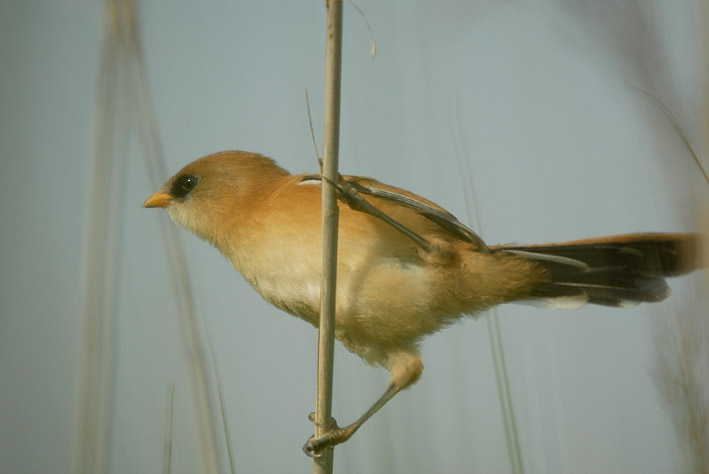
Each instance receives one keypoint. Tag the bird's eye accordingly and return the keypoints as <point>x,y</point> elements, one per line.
<point>184,185</point>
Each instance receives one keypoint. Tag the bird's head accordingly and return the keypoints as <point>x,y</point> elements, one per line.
<point>211,191</point>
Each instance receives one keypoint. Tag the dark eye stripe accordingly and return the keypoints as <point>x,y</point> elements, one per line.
<point>183,185</point>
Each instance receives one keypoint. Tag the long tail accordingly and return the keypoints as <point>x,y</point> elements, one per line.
<point>621,270</point>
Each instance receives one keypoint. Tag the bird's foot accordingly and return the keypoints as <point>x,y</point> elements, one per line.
<point>316,446</point>
<point>311,418</point>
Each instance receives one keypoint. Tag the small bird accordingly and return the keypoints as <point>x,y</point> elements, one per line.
<point>406,267</point>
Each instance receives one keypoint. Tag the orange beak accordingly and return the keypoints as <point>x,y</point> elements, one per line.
<point>159,199</point>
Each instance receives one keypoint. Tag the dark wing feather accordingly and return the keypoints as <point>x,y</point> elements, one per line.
<point>443,219</point>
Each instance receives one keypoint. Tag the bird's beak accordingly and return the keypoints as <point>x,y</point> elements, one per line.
<point>159,199</point>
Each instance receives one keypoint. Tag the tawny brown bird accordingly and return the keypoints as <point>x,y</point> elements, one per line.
<point>405,273</point>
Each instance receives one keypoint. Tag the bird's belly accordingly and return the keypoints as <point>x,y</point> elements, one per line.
<point>364,285</point>
<point>383,302</point>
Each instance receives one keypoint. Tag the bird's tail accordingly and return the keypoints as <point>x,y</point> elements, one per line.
<point>621,270</point>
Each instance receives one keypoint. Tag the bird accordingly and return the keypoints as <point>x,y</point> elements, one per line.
<point>406,267</point>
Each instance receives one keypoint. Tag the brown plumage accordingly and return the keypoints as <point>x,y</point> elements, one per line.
<point>391,291</point>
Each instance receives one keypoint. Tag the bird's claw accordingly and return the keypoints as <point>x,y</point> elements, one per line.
<point>315,447</point>
<point>332,425</point>
<point>335,435</point>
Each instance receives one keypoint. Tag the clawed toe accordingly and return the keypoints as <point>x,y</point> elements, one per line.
<point>316,446</point>
<point>311,418</point>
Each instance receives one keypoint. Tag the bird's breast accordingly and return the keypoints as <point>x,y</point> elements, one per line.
<point>286,269</point>
<point>285,272</point>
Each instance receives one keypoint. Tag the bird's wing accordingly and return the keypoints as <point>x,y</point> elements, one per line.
<point>350,189</point>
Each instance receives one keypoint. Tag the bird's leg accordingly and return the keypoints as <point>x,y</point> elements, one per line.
<point>350,196</point>
<point>315,446</point>
<point>405,368</point>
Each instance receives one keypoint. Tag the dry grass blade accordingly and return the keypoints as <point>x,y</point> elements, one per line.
<point>225,421</point>
<point>167,454</point>
<point>125,103</point>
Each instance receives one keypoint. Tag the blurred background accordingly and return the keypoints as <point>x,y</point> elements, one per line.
<point>534,121</point>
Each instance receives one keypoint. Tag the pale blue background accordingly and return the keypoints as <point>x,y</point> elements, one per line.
<point>534,96</point>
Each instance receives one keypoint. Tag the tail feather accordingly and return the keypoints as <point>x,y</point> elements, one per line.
<point>612,271</point>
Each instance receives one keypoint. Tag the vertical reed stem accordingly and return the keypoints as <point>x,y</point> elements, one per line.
<point>330,215</point>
